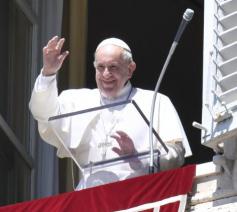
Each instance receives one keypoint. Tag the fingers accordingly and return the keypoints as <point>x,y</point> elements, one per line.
<point>54,45</point>
<point>122,138</point>
<point>52,42</point>
<point>122,133</point>
<point>118,151</point>
<point>60,44</point>
<point>52,56</point>
<point>119,138</point>
<point>63,56</point>
<point>125,143</point>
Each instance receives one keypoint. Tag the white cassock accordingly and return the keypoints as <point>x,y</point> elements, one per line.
<point>86,137</point>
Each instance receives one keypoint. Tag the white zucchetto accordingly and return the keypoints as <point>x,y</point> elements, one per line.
<point>114,41</point>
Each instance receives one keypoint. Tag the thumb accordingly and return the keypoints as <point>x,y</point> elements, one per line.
<point>117,150</point>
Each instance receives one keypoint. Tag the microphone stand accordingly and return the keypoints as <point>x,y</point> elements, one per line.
<point>151,165</point>
<point>186,18</point>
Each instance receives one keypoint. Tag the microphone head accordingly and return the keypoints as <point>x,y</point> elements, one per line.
<point>188,14</point>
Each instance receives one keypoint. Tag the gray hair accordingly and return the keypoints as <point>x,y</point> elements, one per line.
<point>127,56</point>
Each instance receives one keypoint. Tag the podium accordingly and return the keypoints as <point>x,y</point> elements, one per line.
<point>165,192</point>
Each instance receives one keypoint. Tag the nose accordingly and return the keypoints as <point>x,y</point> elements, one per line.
<point>106,72</point>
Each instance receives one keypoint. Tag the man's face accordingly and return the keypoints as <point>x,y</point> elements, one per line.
<point>112,72</point>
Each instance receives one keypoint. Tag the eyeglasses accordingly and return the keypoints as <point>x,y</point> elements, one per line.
<point>110,68</point>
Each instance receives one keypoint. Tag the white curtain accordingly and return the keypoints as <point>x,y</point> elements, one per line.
<point>47,182</point>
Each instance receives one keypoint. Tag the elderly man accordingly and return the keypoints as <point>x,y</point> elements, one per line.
<point>103,135</point>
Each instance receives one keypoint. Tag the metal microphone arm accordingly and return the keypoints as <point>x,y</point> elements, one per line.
<point>186,18</point>
<point>151,164</point>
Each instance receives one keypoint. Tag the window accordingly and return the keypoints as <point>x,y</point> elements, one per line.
<point>16,148</point>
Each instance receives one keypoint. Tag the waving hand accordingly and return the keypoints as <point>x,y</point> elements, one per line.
<point>52,56</point>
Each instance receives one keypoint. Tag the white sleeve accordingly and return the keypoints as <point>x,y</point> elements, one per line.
<point>43,82</point>
<point>43,104</point>
<point>174,158</point>
<point>170,126</point>
<point>44,99</point>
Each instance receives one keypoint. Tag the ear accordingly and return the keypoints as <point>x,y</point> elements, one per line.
<point>131,68</point>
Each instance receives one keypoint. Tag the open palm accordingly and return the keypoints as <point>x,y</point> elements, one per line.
<point>52,56</point>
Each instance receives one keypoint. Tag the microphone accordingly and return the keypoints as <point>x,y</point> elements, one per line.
<point>187,16</point>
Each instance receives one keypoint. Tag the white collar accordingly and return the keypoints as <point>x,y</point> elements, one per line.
<point>124,95</point>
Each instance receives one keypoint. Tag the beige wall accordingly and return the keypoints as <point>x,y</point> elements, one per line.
<point>73,73</point>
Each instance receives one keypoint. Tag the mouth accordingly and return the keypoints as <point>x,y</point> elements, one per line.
<point>108,88</point>
<point>108,84</point>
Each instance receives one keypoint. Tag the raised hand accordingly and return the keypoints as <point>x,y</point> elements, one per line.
<point>125,143</point>
<point>52,56</point>
<point>126,148</point>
